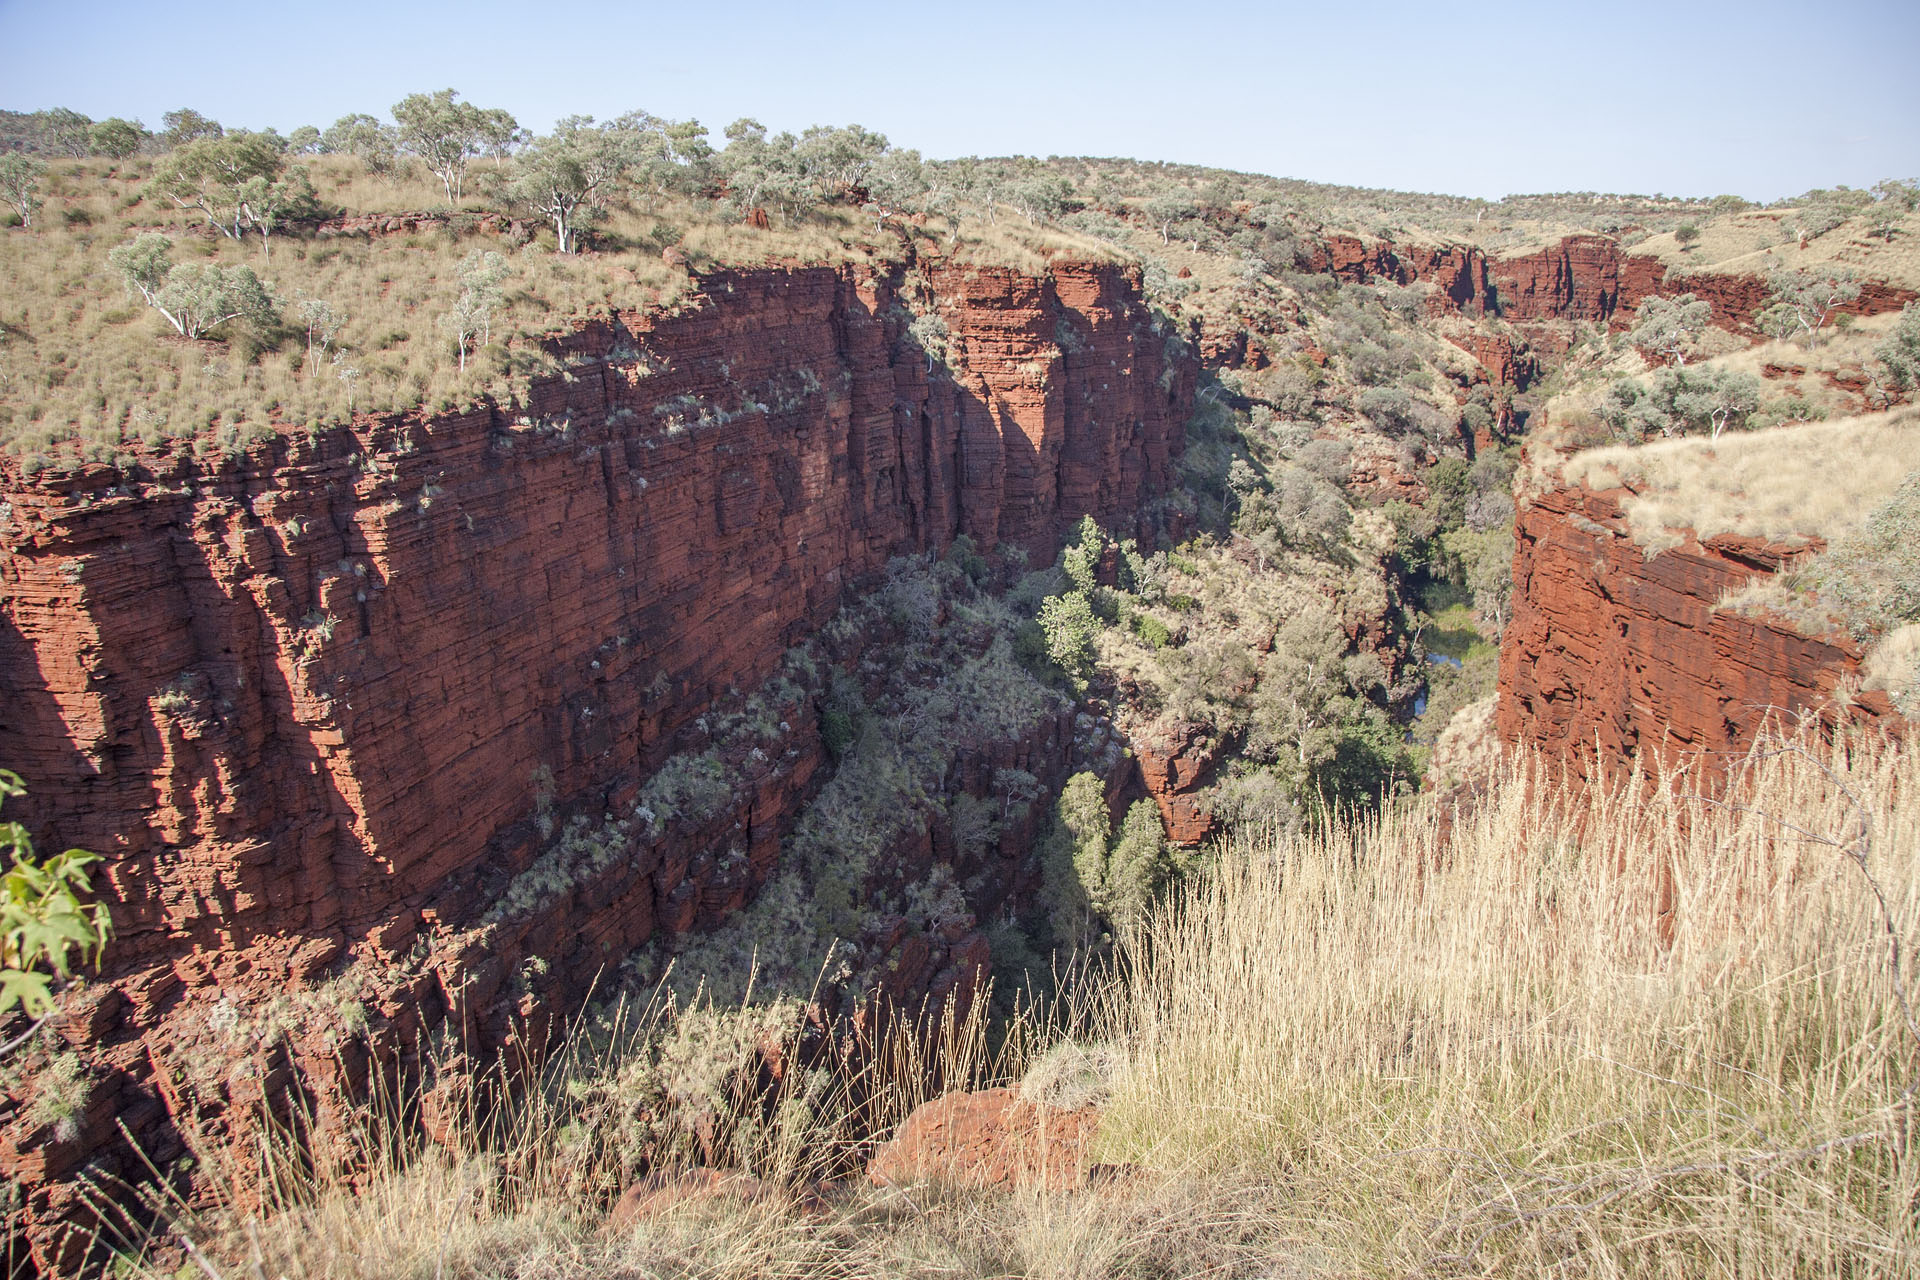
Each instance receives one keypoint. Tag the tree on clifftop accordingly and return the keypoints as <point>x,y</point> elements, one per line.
<point>239,180</point>
<point>1899,355</point>
<point>1670,326</point>
<point>364,138</point>
<point>446,133</point>
<point>1167,210</point>
<point>570,175</point>
<point>195,300</point>
<point>1804,298</point>
<point>70,131</point>
<point>117,138</point>
<point>1681,402</point>
<point>896,186</point>
<point>187,125</point>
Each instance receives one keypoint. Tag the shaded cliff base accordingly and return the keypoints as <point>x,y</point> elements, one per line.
<point>878,802</point>
<point>1277,1081</point>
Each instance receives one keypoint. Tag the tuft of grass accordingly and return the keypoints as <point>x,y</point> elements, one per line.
<point>1894,665</point>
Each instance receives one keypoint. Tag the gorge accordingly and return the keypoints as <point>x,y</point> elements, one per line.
<point>322,701</point>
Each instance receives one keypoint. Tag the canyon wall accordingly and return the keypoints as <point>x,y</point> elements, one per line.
<point>1612,652</point>
<point>1590,278</point>
<point>320,702</point>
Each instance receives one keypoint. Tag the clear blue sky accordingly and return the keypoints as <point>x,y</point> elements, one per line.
<point>1760,98</point>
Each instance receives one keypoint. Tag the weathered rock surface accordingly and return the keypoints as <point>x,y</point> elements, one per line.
<point>1611,652</point>
<point>988,1139</point>
<point>318,703</point>
<point>1589,278</point>
<point>1173,770</point>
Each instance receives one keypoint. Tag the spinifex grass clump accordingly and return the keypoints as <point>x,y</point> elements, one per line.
<point>1626,1030</point>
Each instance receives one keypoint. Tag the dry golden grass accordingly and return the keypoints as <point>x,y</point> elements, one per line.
<point>1814,480</point>
<point>1610,1033</point>
<point>85,364</point>
<point>1606,1032</point>
<point>1744,243</point>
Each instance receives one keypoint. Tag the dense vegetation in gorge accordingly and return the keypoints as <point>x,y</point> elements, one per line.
<point>919,625</point>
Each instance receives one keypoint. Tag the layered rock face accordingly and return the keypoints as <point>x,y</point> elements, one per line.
<point>1587,278</point>
<point>1590,278</point>
<point>1611,652</point>
<point>317,703</point>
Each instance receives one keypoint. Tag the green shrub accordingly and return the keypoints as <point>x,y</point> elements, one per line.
<point>836,732</point>
<point>1872,577</point>
<point>1152,630</point>
<point>44,927</point>
<point>1070,626</point>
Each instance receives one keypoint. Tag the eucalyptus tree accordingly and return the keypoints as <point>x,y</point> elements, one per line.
<point>117,138</point>
<point>1167,210</point>
<point>761,171</point>
<point>20,176</point>
<point>1803,299</point>
<point>896,185</point>
<point>368,140</point>
<point>835,161</point>
<point>1681,401</point>
<point>195,300</point>
<point>673,156</point>
<point>69,131</point>
<point>572,174</point>
<point>1899,354</point>
<point>446,133</point>
<point>1670,326</point>
<point>240,181</point>
<point>482,275</point>
<point>187,125</point>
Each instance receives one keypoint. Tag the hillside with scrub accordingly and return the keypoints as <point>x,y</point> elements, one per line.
<point>658,702</point>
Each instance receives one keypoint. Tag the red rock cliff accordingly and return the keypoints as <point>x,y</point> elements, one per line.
<point>1591,278</point>
<point>1610,652</point>
<point>308,701</point>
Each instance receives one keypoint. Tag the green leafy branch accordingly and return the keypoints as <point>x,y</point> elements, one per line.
<point>45,928</point>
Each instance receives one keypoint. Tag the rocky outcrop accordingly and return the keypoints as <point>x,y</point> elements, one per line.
<point>1458,272</point>
<point>1737,299</point>
<point>1506,357</point>
<point>421,222</point>
<point>1174,770</point>
<point>320,702</point>
<point>1589,278</point>
<point>989,1139</point>
<point>1612,652</point>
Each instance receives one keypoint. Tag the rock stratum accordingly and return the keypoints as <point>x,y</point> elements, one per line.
<point>319,702</point>
<point>1612,652</point>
